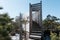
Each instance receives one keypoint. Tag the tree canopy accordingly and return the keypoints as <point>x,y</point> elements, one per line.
<point>51,22</point>
<point>5,26</point>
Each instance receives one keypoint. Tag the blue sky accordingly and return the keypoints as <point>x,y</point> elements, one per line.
<point>51,7</point>
<point>14,7</point>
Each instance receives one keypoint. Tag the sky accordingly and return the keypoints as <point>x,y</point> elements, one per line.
<point>15,7</point>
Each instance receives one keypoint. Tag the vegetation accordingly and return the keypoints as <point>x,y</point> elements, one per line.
<point>53,36</point>
<point>52,23</point>
<point>5,26</point>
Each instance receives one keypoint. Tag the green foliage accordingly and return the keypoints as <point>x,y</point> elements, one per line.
<point>5,26</point>
<point>53,36</point>
<point>51,22</point>
<point>58,27</point>
<point>7,38</point>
